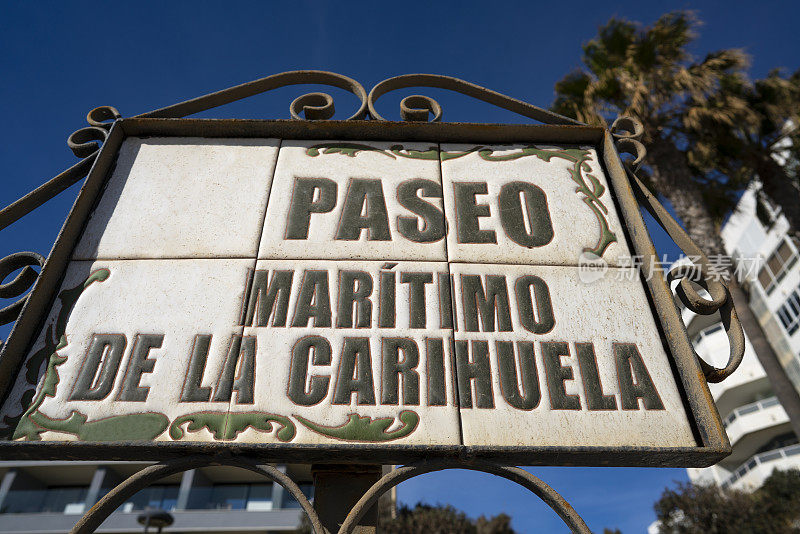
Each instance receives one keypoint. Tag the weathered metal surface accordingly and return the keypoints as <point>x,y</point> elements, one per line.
<point>331,512</point>
<point>337,489</point>
<point>711,441</point>
<point>26,277</point>
<point>355,131</point>
<point>85,143</point>
<point>418,107</point>
<point>317,106</point>
<point>627,132</point>
<point>115,498</point>
<point>515,474</point>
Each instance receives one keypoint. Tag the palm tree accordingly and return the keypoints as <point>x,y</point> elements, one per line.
<point>749,145</point>
<point>649,74</point>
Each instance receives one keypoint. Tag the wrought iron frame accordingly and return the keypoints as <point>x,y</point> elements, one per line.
<point>98,144</point>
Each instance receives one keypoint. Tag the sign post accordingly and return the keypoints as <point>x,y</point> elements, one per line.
<point>337,489</point>
<point>355,292</point>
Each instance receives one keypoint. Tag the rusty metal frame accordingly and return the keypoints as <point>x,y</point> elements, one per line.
<point>712,443</point>
<point>92,519</point>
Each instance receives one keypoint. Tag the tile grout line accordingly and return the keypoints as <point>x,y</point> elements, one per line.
<point>450,282</point>
<point>259,235</point>
<point>317,259</point>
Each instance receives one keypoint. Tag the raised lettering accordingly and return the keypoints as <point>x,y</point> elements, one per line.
<point>96,377</point>
<point>468,211</point>
<point>387,309</point>
<point>355,373</point>
<point>393,368</point>
<point>314,300</point>
<point>242,357</point>
<point>528,398</point>
<point>303,204</point>
<point>434,362</point>
<point>319,350</point>
<point>432,218</point>
<point>630,366</point>
<point>475,299</point>
<point>364,209</point>
<point>542,320</point>
<point>354,288</point>
<point>139,364</point>
<point>192,391</point>
<point>477,370</point>
<point>557,374</point>
<point>592,387</point>
<point>416,288</point>
<point>513,218</point>
<point>263,296</point>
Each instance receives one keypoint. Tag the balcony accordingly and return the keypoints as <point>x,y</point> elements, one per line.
<point>711,344</point>
<point>49,497</point>
<point>752,474</point>
<point>223,521</point>
<point>754,417</point>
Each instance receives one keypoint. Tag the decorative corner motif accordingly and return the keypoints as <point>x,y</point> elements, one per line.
<point>364,429</point>
<point>32,423</point>
<point>228,425</point>
<point>588,185</point>
<point>345,149</point>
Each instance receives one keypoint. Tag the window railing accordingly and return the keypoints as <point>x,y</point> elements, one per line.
<point>750,408</point>
<point>65,500</point>
<point>761,459</point>
<point>253,497</point>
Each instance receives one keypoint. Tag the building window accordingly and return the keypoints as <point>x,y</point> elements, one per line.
<point>58,499</point>
<point>778,264</point>
<point>704,333</point>
<point>228,497</point>
<point>308,491</point>
<point>789,312</point>
<point>251,497</point>
<point>160,497</point>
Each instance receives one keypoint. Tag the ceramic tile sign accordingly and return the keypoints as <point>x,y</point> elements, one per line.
<point>360,293</point>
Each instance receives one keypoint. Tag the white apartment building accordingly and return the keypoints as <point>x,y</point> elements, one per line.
<point>762,440</point>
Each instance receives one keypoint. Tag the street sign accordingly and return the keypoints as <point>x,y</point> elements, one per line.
<point>356,291</point>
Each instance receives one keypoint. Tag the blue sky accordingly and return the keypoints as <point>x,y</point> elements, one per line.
<point>59,60</point>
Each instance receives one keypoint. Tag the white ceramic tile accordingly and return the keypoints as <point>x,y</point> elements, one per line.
<point>481,231</point>
<point>432,414</point>
<point>611,310</point>
<point>337,203</point>
<point>176,299</point>
<point>182,197</point>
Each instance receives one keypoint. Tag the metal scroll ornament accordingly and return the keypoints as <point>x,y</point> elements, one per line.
<point>153,473</point>
<point>627,133</point>
<point>86,143</point>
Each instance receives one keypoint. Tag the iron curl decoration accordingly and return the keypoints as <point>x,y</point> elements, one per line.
<point>115,498</point>
<point>418,107</point>
<point>627,132</point>
<point>121,493</point>
<point>316,106</point>
<point>24,261</point>
<point>85,143</point>
<point>515,474</point>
